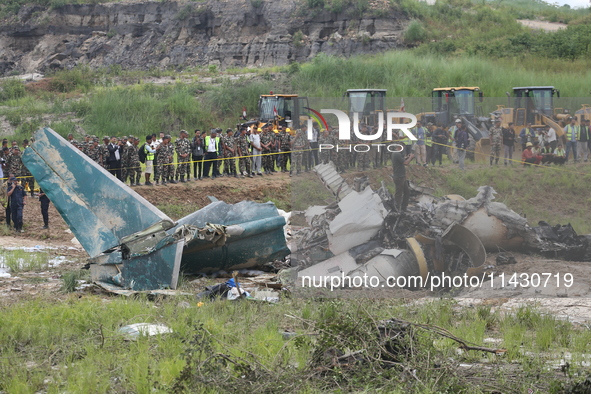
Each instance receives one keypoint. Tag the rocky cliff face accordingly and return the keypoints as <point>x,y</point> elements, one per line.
<point>227,33</point>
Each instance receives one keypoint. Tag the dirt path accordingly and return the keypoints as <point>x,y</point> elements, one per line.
<point>542,25</point>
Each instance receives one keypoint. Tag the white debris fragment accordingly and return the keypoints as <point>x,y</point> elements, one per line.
<point>362,216</point>
<point>133,331</point>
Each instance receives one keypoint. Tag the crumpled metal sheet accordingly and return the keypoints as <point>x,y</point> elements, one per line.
<point>493,223</point>
<point>332,180</point>
<point>245,235</point>
<point>362,216</point>
<point>563,241</point>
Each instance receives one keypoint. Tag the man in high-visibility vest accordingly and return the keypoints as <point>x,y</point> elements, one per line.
<point>150,152</point>
<point>572,132</point>
<point>212,146</point>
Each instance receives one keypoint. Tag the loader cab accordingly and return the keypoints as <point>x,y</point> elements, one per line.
<point>454,102</point>
<point>287,110</point>
<point>532,101</point>
<point>368,103</point>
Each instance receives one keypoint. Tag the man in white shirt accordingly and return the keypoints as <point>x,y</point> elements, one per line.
<point>551,137</point>
<point>211,144</point>
<point>255,142</point>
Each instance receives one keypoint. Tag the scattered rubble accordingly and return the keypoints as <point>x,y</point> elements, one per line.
<point>362,234</point>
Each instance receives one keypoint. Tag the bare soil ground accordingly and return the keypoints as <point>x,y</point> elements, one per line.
<point>542,25</point>
<point>228,189</point>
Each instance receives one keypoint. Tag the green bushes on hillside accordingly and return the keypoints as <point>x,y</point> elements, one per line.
<point>12,89</point>
<point>571,43</point>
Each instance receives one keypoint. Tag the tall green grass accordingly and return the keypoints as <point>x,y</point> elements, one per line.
<point>19,260</point>
<point>143,108</point>
<point>408,74</point>
<point>147,108</point>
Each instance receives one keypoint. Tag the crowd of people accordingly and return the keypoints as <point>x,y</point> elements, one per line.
<point>539,146</point>
<point>245,152</point>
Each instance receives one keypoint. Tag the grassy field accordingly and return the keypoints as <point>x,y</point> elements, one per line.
<point>76,346</point>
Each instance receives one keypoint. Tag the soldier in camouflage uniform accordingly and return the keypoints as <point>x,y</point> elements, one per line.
<point>229,147</point>
<point>496,140</point>
<point>284,147</point>
<point>300,146</point>
<point>105,152</point>
<point>124,158</point>
<point>243,147</point>
<point>325,139</point>
<point>86,145</point>
<point>14,164</point>
<point>95,152</point>
<point>222,154</point>
<point>135,170</point>
<point>266,144</point>
<point>277,149</point>
<point>73,141</point>
<point>165,160</point>
<point>183,154</point>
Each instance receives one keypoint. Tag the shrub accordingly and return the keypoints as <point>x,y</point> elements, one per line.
<point>185,12</point>
<point>12,89</point>
<point>415,33</point>
<point>79,78</point>
<point>336,6</point>
<point>293,68</point>
<point>297,38</point>
<point>315,3</point>
<point>361,6</point>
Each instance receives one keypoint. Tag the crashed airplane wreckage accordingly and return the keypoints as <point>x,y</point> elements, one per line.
<point>362,233</point>
<point>131,243</point>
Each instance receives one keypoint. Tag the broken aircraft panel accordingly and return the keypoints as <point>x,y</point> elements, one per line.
<point>492,222</point>
<point>134,245</point>
<point>332,180</point>
<point>362,215</point>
